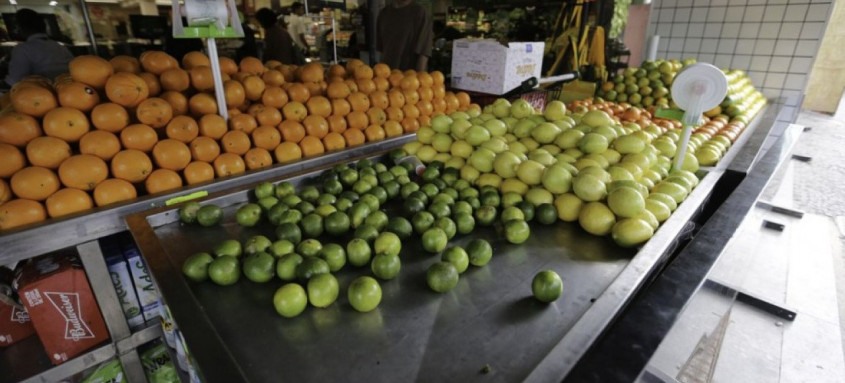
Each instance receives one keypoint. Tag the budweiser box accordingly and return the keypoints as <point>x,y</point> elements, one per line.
<point>122,282</point>
<point>487,66</point>
<point>15,324</point>
<point>58,298</point>
<point>148,296</point>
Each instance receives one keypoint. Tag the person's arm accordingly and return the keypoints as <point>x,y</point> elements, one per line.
<point>422,63</point>
<point>19,66</point>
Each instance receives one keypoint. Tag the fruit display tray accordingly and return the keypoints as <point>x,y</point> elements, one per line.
<point>488,327</point>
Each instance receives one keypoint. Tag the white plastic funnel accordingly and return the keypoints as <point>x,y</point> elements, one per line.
<point>696,89</point>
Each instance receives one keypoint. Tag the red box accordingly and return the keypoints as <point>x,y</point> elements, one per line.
<point>56,293</point>
<point>15,325</point>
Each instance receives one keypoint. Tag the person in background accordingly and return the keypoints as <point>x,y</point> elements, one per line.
<point>178,48</point>
<point>404,35</point>
<point>278,44</point>
<point>249,48</point>
<point>38,54</point>
<point>298,26</point>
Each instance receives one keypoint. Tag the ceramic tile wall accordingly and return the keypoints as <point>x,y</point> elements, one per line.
<point>774,41</point>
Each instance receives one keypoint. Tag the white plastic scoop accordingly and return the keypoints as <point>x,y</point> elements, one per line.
<point>696,89</point>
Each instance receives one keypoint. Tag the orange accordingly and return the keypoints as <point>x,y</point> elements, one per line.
<point>83,171</point>
<point>463,99</point>
<point>68,201</point>
<point>268,115</point>
<point>412,97</point>
<point>379,99</point>
<point>125,64</point>
<point>411,111</point>
<point>153,85</point>
<point>204,149</point>
<point>425,108</point>
<point>426,94</point>
<point>292,131</point>
<point>337,90</point>
<point>178,102</point>
<point>18,129</point>
<point>452,102</point>
<point>353,86</point>
<point>154,112</point>
<point>363,72</point>
<point>396,98</point>
<point>273,78</point>
<point>376,116</point>
<point>424,121</point>
<point>65,123</point>
<point>156,62</point>
<point>126,89</point>
<point>410,125</point>
<point>393,129</point>
<point>5,191</point>
<point>298,92</point>
<point>274,96</point>
<point>13,160</point>
<point>131,165</point>
<point>194,59</point>
<point>235,141</point>
<point>78,96</point>
<point>212,126</point>
<point>357,120</point>
<point>337,123</point>
<point>35,101</point>
<point>99,143</point>
<point>197,172</point>
<point>266,137</point>
<point>240,76</point>
<point>334,141</point>
<point>394,113</point>
<point>341,107</point>
<point>395,79</point>
<point>234,93</point>
<point>316,126</point>
<point>311,72</point>
<point>359,101</point>
<point>48,152</point>
<point>287,151</point>
<point>366,86</point>
<point>438,105</point>
<point>257,158</point>
<point>352,64</point>
<point>254,87</point>
<point>295,110</point>
<point>311,146</point>
<point>114,190</point>
<point>228,66</point>
<point>336,70</point>
<point>244,122</point>
<point>202,103</point>
<point>425,80</point>
<point>410,83</point>
<point>320,106</point>
<point>139,137</point>
<point>374,133</point>
<point>182,128</point>
<point>175,79</point>
<point>439,92</point>
<point>91,70</point>
<point>228,164</point>
<point>381,70</point>
<point>161,180</point>
<point>251,65</point>
<point>382,84</point>
<point>201,78</point>
<point>354,137</point>
<point>171,154</point>
<point>109,117</point>
<point>438,78</point>
<point>21,212</point>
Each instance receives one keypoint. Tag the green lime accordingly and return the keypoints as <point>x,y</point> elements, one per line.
<point>289,231</point>
<point>434,240</point>
<point>385,177</point>
<point>343,204</point>
<point>398,171</point>
<point>546,214</point>
<point>420,196</point>
<point>326,199</point>
<point>439,184</point>
<point>364,294</point>
<point>422,221</point>
<point>461,185</point>
<point>286,266</point>
<point>464,223</point>
<point>310,267</point>
<point>442,277</point>
<point>372,201</point>
<point>366,232</point>
<point>267,203</point>
<point>358,213</point>
<point>380,193</point>
<point>358,252</point>
<point>290,216</point>
<point>388,243</point>
<point>248,215</point>
<point>325,210</point>
<point>291,200</point>
<point>260,267</point>
<point>230,247</point>
<point>430,190</point>
<point>284,189</point>
<point>210,215</point>
<point>386,266</point>
<point>408,188</point>
<point>334,255</point>
<point>474,203</point>
<point>281,247</point>
<point>362,186</point>
<point>348,177</point>
<point>468,192</point>
<point>377,219</point>
<point>547,286</point>
<point>511,199</point>
<point>448,226</point>
<point>512,212</point>
<point>256,243</point>
<point>400,226</point>
<point>485,215</point>
<point>402,180</point>
<point>392,189</point>
<point>480,252</point>
<point>290,300</point>
<point>430,174</point>
<point>413,206</point>
<point>224,270</point>
<point>457,256</point>
<point>439,209</point>
<point>365,163</point>
<point>312,225</point>
<point>517,231</point>
<point>333,187</point>
<point>305,207</point>
<point>462,207</point>
<point>309,193</point>
<point>188,212</point>
<point>274,215</point>
<point>336,223</point>
<point>195,267</point>
<point>323,290</point>
<point>309,247</point>
<point>527,210</point>
<point>379,167</point>
<point>491,198</point>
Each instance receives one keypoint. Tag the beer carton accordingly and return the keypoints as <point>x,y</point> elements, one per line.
<point>122,281</point>
<point>55,292</point>
<point>108,372</point>
<point>158,366</point>
<point>15,324</point>
<point>148,295</point>
<point>487,66</point>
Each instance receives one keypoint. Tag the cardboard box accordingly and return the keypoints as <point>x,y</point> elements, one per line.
<point>108,372</point>
<point>55,291</point>
<point>15,324</point>
<point>487,66</point>
<point>148,296</point>
<point>122,281</point>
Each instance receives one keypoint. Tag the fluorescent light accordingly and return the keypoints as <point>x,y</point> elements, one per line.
<point>13,2</point>
<point>54,3</point>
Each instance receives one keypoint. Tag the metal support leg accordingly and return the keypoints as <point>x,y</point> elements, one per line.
<point>84,8</point>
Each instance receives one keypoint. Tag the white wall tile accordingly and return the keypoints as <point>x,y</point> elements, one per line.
<point>764,47</point>
<point>684,3</point>
<point>716,14</point>
<point>774,13</point>
<point>667,3</point>
<point>795,81</point>
<point>771,93</point>
<point>779,64</point>
<point>726,46</point>
<point>662,54</point>
<point>663,44</point>
<point>757,77</point>
<point>749,30</point>
<point>709,45</point>
<point>768,31</point>
<point>790,30</point>
<point>759,63</point>
<point>734,14</point>
<point>676,45</point>
<point>666,15</point>
<point>801,65</point>
<point>754,13</point>
<point>737,2</point>
<point>712,31</point>
<point>741,62</point>
<point>682,15</point>
<point>679,29</point>
<point>812,30</point>
<point>666,29</point>
<point>745,46</point>
<point>806,48</point>
<point>776,2</point>
<point>717,2</point>
<point>818,12</point>
<point>775,80</point>
<point>793,98</point>
<point>692,45</point>
<point>730,30</point>
<point>756,2</point>
<point>706,57</point>
<point>722,61</point>
<point>696,30</point>
<point>698,14</point>
<point>795,12</point>
<point>784,47</point>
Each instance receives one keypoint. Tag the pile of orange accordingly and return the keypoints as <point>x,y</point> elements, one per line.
<point>109,131</point>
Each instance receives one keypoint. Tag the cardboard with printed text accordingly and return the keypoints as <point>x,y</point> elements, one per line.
<point>487,66</point>
<point>15,324</point>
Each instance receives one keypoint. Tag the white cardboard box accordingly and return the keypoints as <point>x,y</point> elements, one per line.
<point>489,67</point>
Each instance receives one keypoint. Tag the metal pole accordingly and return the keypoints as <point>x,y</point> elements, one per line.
<point>87,18</point>
<point>218,78</point>
<point>334,38</point>
<point>372,7</point>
